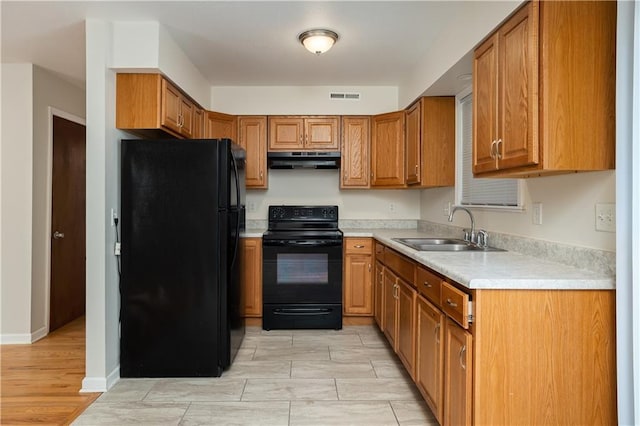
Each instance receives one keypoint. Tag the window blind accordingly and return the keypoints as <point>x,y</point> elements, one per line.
<point>480,191</point>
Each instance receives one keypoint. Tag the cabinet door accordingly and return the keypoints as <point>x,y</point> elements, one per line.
<point>198,123</point>
<point>458,375</point>
<point>485,105</point>
<point>286,133</point>
<point>429,355</point>
<point>413,141</point>
<point>378,308</point>
<point>171,104</point>
<point>518,89</point>
<point>387,150</point>
<point>187,117</point>
<point>358,296</point>
<point>253,138</point>
<point>354,168</point>
<point>406,325</point>
<point>220,126</point>
<point>390,321</point>
<point>251,277</point>
<point>438,141</point>
<point>321,134</point>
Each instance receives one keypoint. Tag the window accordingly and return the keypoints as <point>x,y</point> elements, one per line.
<point>478,192</point>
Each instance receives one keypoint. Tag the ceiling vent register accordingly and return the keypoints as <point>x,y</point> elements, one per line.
<point>345,96</point>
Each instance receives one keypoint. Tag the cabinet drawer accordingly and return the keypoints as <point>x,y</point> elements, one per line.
<point>358,245</point>
<point>379,251</point>
<point>398,263</point>
<point>455,303</point>
<point>429,285</point>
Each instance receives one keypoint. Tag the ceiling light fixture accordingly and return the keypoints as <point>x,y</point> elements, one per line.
<point>318,41</point>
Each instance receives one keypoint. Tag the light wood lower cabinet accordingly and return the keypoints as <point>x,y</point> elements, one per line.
<point>406,325</point>
<point>429,369</point>
<point>358,272</point>
<point>500,357</point>
<point>458,375</point>
<point>251,276</point>
<point>378,296</point>
<point>390,310</point>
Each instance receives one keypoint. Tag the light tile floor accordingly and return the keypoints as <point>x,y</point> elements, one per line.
<point>280,377</point>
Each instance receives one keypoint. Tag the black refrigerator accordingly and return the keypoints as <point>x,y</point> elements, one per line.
<point>182,213</point>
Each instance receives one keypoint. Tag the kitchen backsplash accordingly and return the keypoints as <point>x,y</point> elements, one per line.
<point>600,261</point>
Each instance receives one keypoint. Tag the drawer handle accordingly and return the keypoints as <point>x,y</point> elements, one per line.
<point>358,246</point>
<point>451,303</point>
<point>463,349</point>
<point>427,285</point>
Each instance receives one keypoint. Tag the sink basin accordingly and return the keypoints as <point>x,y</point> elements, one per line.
<point>441,244</point>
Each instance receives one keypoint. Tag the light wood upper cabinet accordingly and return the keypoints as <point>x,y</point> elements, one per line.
<point>429,370</point>
<point>251,276</point>
<point>150,105</point>
<point>437,141</point>
<point>298,133</point>
<point>354,168</point>
<point>198,123</point>
<point>221,126</point>
<point>458,371</point>
<point>412,146</point>
<point>177,111</point>
<point>358,274</point>
<point>252,131</point>
<point>532,113</point>
<point>387,150</point>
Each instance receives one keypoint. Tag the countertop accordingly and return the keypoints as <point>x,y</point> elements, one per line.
<point>492,270</point>
<point>485,270</point>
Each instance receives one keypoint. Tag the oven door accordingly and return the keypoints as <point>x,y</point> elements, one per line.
<point>302,271</point>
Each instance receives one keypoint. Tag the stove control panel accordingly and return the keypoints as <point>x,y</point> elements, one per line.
<point>303,213</point>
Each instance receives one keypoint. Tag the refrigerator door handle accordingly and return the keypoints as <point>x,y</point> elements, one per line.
<point>237,242</point>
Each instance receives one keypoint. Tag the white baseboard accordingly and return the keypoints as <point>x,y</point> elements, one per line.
<point>39,334</point>
<point>15,339</point>
<point>100,384</point>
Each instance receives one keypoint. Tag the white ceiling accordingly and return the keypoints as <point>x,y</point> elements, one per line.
<point>239,42</point>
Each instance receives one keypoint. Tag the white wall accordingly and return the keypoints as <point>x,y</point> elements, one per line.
<point>48,91</point>
<point>148,47</point>
<point>309,100</point>
<point>568,210</point>
<point>16,194</point>
<point>317,186</point>
<point>474,22</point>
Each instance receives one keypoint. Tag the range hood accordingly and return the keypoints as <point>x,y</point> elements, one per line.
<point>303,160</point>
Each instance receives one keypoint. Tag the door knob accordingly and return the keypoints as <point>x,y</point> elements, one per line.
<point>57,235</point>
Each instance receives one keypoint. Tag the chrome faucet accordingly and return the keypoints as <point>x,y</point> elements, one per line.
<point>470,238</point>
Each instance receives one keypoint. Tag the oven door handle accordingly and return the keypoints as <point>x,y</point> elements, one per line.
<point>303,243</point>
<point>302,311</point>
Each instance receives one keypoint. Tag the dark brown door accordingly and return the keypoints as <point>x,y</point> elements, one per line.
<point>67,295</point>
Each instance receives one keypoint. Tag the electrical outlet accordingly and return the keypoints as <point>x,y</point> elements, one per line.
<point>606,217</point>
<point>392,207</point>
<point>446,209</point>
<point>537,213</point>
<point>251,206</point>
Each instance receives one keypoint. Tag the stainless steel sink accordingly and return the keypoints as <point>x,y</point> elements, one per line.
<point>442,244</point>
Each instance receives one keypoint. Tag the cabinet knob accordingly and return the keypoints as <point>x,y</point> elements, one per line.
<point>358,246</point>
<point>427,285</point>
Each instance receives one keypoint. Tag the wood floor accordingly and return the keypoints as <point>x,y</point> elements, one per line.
<point>41,381</point>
